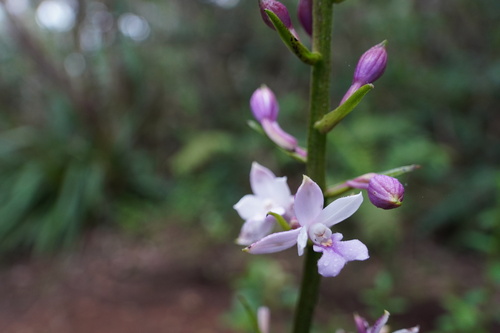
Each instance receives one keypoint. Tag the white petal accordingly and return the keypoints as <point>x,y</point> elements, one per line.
<point>280,193</point>
<point>251,207</point>
<point>261,180</point>
<point>275,242</point>
<point>254,230</point>
<point>302,240</point>
<point>308,202</point>
<point>339,210</point>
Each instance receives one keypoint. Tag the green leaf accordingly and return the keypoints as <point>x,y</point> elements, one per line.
<point>250,312</point>
<point>331,119</point>
<point>292,42</point>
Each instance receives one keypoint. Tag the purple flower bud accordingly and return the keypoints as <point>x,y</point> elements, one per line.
<point>264,104</point>
<point>371,65</point>
<point>304,13</point>
<point>385,192</point>
<point>277,8</point>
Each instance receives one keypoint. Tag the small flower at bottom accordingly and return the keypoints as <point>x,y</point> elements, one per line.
<point>362,325</point>
<point>314,223</point>
<point>271,194</point>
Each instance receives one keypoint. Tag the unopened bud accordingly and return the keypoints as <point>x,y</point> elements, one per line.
<point>304,12</point>
<point>278,9</point>
<point>264,104</point>
<point>278,136</point>
<point>371,65</point>
<point>385,192</point>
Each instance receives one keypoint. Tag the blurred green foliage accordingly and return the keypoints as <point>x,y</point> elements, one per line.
<point>161,122</point>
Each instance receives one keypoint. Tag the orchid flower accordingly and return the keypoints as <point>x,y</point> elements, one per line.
<point>271,194</point>
<point>363,327</point>
<point>314,223</point>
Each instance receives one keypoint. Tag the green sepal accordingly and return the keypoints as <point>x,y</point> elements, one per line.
<point>250,312</point>
<point>331,119</point>
<point>297,48</point>
<point>281,221</point>
<point>256,127</point>
<point>342,187</point>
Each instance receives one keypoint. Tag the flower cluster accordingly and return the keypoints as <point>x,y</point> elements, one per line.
<point>270,194</point>
<point>309,221</point>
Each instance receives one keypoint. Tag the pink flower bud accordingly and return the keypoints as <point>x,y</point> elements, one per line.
<point>264,104</point>
<point>371,65</point>
<point>304,13</point>
<point>385,192</point>
<point>277,8</point>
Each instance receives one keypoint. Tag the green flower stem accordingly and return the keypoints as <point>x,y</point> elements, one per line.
<point>330,120</point>
<point>292,42</point>
<point>316,149</point>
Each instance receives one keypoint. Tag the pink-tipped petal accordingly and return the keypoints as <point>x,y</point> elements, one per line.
<point>339,210</point>
<point>308,202</point>
<point>275,242</point>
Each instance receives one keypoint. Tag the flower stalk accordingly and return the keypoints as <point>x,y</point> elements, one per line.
<point>319,99</point>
